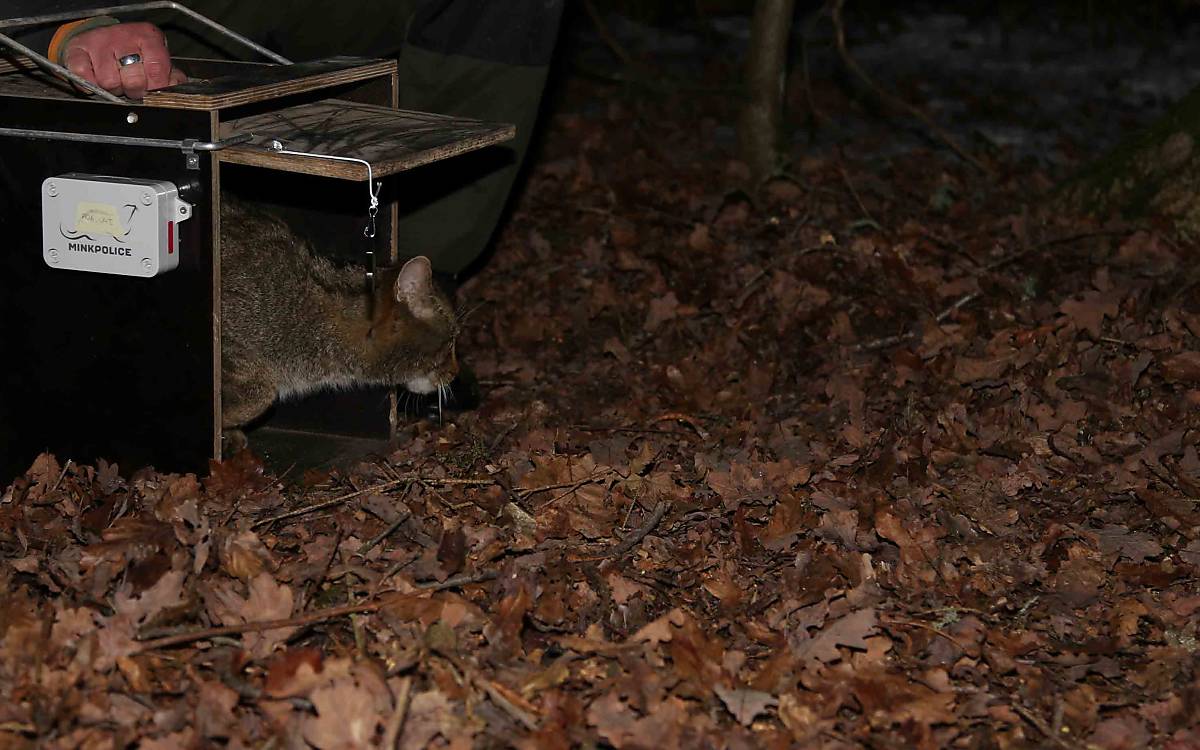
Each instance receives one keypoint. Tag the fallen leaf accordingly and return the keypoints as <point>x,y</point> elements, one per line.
<point>745,705</point>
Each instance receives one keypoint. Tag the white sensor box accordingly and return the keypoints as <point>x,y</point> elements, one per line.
<point>113,225</point>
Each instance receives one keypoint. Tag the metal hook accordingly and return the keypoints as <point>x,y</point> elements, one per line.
<point>373,189</point>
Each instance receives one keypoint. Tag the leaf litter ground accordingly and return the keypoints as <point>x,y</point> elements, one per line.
<point>881,455</point>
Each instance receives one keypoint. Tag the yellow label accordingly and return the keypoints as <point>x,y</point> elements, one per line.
<point>97,218</point>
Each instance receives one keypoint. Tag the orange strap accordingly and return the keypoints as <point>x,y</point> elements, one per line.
<point>66,32</point>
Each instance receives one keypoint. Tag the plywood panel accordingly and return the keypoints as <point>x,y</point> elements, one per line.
<point>261,82</point>
<point>390,140</point>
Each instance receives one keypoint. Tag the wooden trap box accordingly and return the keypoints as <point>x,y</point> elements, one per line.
<point>127,368</point>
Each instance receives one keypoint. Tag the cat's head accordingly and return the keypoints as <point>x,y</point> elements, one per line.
<point>413,330</point>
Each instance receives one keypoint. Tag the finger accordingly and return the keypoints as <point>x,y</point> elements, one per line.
<point>178,76</point>
<point>156,61</point>
<point>80,63</point>
<point>107,72</point>
<point>133,80</point>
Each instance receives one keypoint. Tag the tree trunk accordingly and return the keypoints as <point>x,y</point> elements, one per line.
<point>761,120</point>
<point>1155,172</point>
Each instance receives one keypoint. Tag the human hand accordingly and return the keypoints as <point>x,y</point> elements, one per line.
<point>94,55</point>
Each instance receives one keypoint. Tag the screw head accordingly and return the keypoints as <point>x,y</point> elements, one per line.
<point>183,210</point>
<point>147,199</point>
<point>53,255</point>
<point>52,190</point>
<point>147,266</point>
<point>131,118</point>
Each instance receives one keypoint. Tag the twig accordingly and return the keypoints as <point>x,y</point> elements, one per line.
<point>895,101</point>
<point>374,541</point>
<point>674,416</point>
<point>308,618</point>
<point>374,488</point>
<point>883,343</point>
<point>894,339</point>
<point>1036,722</point>
<point>337,543</point>
<point>464,579</point>
<point>526,492</point>
<point>1045,244</point>
<point>854,193</point>
<point>630,430</point>
<point>500,438</point>
<point>995,265</point>
<point>637,536</point>
<point>748,288</point>
<point>326,503</point>
<point>395,725</point>
<point>58,481</point>
<point>926,626</point>
<point>497,693</point>
<point>970,297</point>
<point>606,36</point>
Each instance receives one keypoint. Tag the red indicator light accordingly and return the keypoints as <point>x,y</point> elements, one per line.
<point>170,238</point>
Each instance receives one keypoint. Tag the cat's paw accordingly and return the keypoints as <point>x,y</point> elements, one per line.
<point>233,441</point>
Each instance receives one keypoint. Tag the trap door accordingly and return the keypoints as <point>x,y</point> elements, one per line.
<point>352,140</point>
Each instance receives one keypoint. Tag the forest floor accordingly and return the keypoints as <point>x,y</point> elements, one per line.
<point>885,454</point>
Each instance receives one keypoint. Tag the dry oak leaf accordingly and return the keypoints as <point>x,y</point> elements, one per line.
<point>851,631</point>
<point>166,592</point>
<point>745,705</point>
<point>700,239</point>
<point>1089,310</point>
<point>71,624</point>
<point>971,369</point>
<point>1079,580</point>
<point>888,698</point>
<point>662,727</point>
<point>214,709</point>
<point>244,556</point>
<point>505,628</point>
<point>430,714</point>
<point>239,475</point>
<point>349,710</point>
<point>659,631</point>
<point>173,741</point>
<point>1119,541</point>
<point>43,475</point>
<point>662,309</point>
<point>801,720</point>
<point>1182,368</point>
<point>293,673</point>
<point>267,600</point>
<point>1124,732</point>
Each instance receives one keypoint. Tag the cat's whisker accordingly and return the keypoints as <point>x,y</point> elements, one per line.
<point>463,313</point>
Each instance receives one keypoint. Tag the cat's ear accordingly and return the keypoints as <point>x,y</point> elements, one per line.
<point>414,286</point>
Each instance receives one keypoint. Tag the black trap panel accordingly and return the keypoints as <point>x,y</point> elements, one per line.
<point>93,365</point>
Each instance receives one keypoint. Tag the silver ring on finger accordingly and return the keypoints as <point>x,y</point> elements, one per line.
<point>129,60</point>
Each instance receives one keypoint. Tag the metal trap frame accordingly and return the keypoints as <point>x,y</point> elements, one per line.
<point>128,368</point>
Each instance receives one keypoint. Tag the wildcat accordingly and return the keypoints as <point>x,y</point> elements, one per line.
<point>292,322</point>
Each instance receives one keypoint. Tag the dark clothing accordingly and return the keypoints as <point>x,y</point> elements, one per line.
<point>484,59</point>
